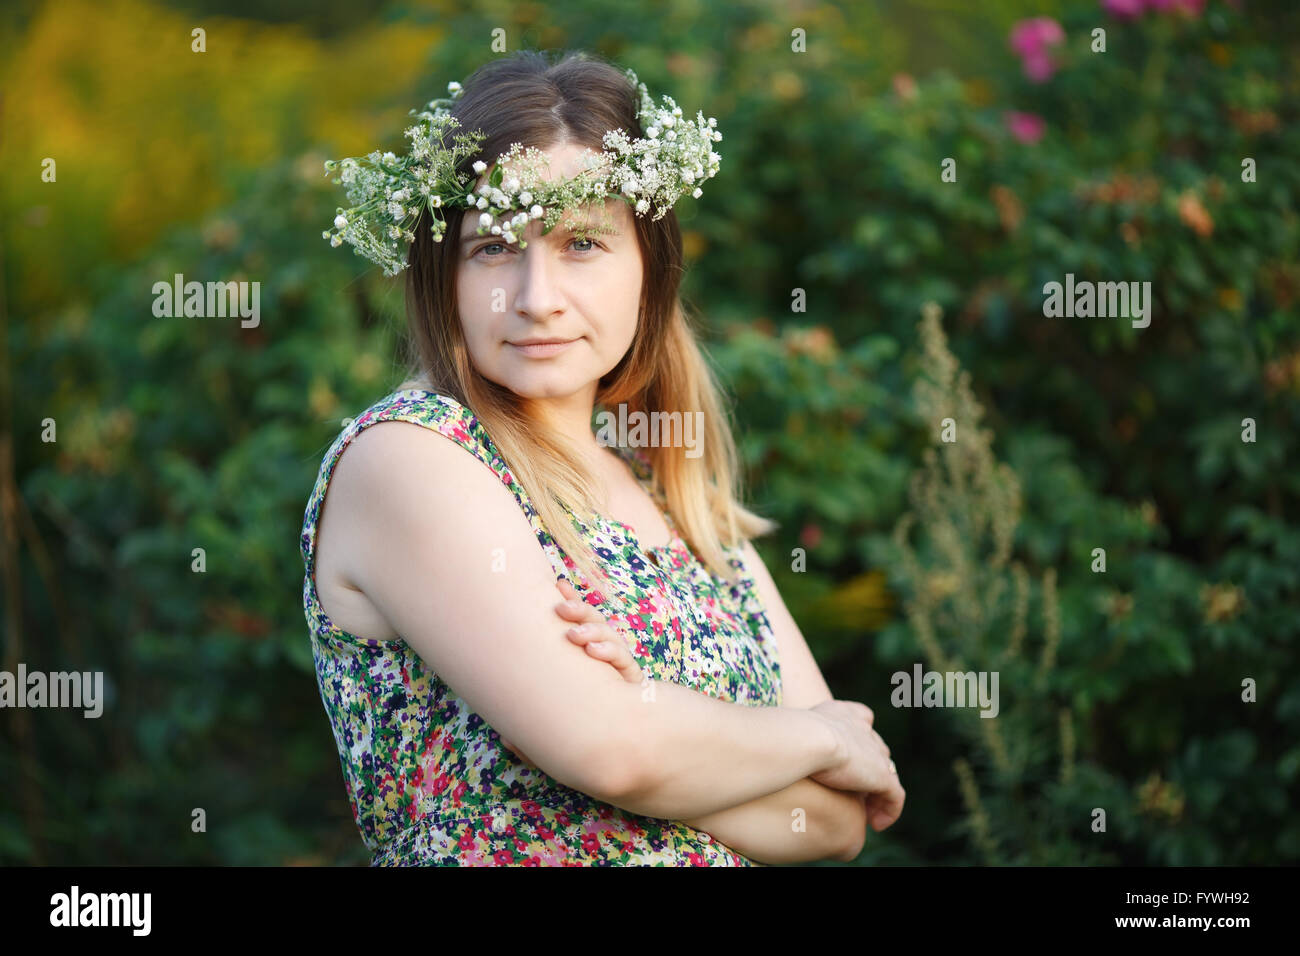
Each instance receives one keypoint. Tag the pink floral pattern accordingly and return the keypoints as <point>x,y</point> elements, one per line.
<point>427,778</point>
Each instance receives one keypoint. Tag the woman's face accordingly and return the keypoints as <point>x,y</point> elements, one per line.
<point>583,295</point>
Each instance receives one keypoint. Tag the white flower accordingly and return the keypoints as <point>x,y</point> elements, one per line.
<point>525,198</point>
<point>336,241</point>
<point>340,222</point>
<point>453,88</point>
<point>511,185</point>
<point>536,212</point>
<point>508,236</point>
<point>642,205</point>
<point>698,193</point>
<point>482,202</point>
<point>389,159</point>
<point>479,166</point>
<point>496,230</point>
<point>653,132</point>
<point>436,201</point>
<point>670,135</point>
<point>669,121</point>
<point>485,220</point>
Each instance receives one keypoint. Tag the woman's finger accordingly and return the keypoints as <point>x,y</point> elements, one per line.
<point>605,644</point>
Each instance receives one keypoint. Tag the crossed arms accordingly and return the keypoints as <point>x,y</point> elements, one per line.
<point>424,559</point>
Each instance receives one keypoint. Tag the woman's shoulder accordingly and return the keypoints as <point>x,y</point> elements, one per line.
<point>428,407</point>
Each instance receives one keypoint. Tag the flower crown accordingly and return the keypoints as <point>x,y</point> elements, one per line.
<point>388,192</point>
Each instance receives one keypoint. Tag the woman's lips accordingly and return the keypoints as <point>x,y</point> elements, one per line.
<point>544,350</point>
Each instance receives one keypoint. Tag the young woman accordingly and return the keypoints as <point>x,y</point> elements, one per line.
<point>533,648</point>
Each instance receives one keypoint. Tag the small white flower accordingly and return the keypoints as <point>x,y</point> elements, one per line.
<point>496,230</point>
<point>340,222</point>
<point>536,212</point>
<point>336,241</point>
<point>389,159</point>
<point>642,205</point>
<point>653,132</point>
<point>670,135</point>
<point>698,192</point>
<point>479,166</point>
<point>453,88</point>
<point>525,198</point>
<point>508,236</point>
<point>482,202</point>
<point>485,220</point>
<point>436,201</point>
<point>669,121</point>
<point>325,234</point>
<point>511,185</point>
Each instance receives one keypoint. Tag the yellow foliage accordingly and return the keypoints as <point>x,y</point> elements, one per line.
<point>144,131</point>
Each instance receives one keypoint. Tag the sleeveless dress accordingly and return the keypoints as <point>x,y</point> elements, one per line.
<point>427,778</point>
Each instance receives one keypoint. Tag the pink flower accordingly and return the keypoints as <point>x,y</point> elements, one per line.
<point>1035,35</point>
<point>1124,9</point>
<point>1030,39</point>
<point>1026,127</point>
<point>1039,67</point>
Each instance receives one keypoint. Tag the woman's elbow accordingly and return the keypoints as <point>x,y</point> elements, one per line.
<point>853,835</point>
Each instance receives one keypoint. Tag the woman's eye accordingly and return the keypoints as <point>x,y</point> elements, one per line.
<point>592,247</point>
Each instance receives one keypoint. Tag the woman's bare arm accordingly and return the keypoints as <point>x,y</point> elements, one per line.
<point>422,523</point>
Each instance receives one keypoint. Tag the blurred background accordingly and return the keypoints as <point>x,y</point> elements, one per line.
<point>921,299</point>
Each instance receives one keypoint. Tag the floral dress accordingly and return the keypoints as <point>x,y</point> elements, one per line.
<point>427,778</point>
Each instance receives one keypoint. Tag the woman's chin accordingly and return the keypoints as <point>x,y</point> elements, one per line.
<point>545,384</point>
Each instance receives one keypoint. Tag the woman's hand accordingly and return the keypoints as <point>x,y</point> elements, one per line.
<point>866,767</point>
<point>593,632</point>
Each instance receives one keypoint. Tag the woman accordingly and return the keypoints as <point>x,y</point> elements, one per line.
<point>641,657</point>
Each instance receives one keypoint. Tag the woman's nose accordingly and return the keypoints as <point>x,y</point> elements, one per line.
<point>539,292</point>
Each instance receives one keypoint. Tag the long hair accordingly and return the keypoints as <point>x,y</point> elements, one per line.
<point>524,98</point>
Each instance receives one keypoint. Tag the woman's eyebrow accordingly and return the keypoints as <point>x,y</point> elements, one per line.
<point>561,231</point>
